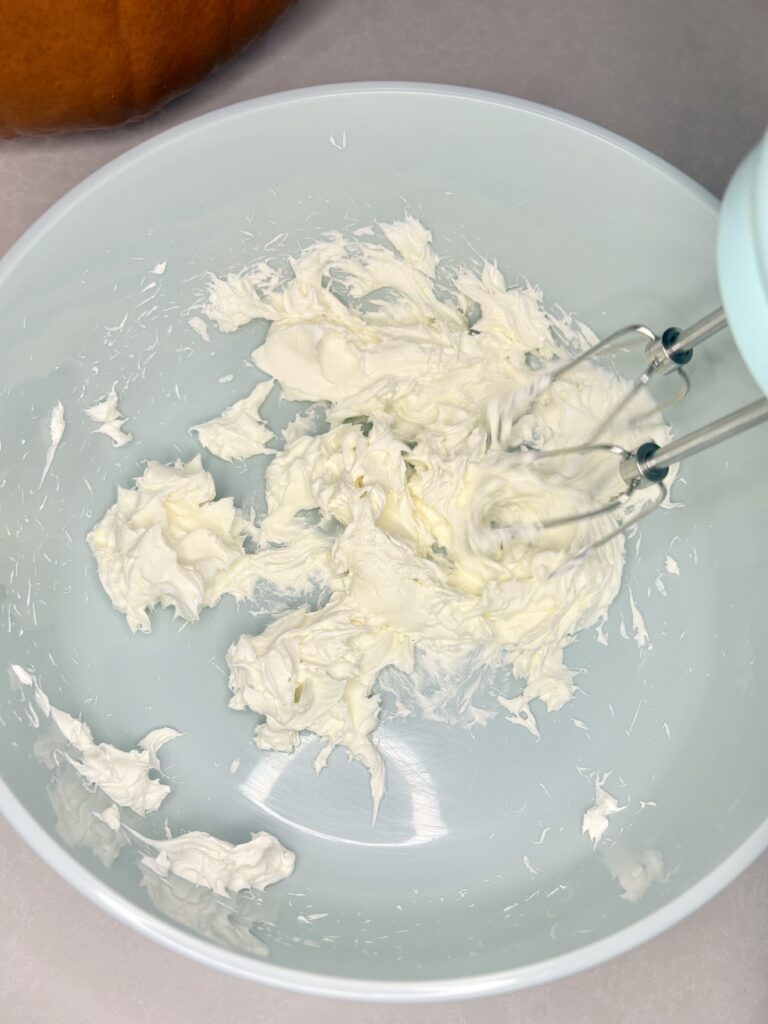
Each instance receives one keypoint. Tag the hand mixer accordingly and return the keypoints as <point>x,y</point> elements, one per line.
<point>742,264</point>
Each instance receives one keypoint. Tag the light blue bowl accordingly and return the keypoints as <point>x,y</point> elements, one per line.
<point>436,901</point>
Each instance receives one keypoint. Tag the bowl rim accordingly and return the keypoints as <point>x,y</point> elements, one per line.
<point>301,981</point>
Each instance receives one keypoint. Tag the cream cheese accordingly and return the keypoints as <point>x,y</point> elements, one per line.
<point>595,822</point>
<point>315,671</point>
<point>107,414</point>
<point>56,426</point>
<point>239,432</point>
<point>168,542</point>
<point>222,867</point>
<point>97,779</point>
<point>410,368</point>
<point>122,775</point>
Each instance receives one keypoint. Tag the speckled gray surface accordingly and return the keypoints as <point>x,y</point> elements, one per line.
<point>689,80</point>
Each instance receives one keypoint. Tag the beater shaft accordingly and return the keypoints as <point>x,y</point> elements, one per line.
<point>651,463</point>
<point>700,331</point>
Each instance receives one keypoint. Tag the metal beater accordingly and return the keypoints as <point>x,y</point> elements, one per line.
<point>742,262</point>
<point>648,464</point>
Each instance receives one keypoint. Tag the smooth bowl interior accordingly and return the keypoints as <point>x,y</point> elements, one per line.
<point>454,891</point>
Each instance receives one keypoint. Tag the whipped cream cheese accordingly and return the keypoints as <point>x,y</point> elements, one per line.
<point>88,813</point>
<point>56,426</point>
<point>315,671</point>
<point>595,822</point>
<point>239,432</point>
<point>107,414</point>
<point>409,365</point>
<point>217,865</point>
<point>122,775</point>
<point>168,542</point>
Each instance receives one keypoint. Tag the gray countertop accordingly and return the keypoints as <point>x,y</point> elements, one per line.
<point>686,78</point>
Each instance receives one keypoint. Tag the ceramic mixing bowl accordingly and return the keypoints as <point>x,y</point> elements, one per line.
<point>476,877</point>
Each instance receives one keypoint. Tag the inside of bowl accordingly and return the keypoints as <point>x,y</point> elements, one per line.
<point>477,862</point>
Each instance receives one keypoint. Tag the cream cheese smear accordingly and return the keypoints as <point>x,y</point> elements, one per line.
<point>390,508</point>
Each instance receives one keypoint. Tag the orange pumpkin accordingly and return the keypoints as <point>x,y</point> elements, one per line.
<point>68,64</point>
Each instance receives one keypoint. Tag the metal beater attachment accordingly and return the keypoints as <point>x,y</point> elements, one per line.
<point>665,353</point>
<point>649,464</point>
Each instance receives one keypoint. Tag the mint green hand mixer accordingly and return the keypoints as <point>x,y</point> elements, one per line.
<point>742,264</point>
